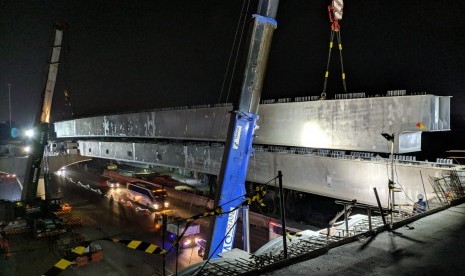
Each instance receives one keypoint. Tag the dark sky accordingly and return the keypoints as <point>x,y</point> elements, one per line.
<point>136,55</point>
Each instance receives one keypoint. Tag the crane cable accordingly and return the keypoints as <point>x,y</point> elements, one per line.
<point>68,108</point>
<point>233,54</point>
<point>235,50</point>
<point>335,14</point>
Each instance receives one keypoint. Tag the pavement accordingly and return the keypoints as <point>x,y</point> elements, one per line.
<point>432,245</point>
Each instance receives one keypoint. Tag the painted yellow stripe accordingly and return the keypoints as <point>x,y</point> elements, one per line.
<point>327,74</point>
<point>330,44</point>
<point>79,250</point>
<point>340,46</point>
<point>151,248</point>
<point>343,76</point>
<point>63,264</point>
<point>134,244</point>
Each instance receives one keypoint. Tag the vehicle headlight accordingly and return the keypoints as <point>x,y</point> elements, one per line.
<point>167,204</point>
<point>155,206</point>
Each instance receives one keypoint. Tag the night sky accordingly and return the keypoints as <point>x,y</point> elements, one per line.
<point>137,55</point>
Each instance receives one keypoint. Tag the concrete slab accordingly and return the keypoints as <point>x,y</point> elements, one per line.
<point>433,247</point>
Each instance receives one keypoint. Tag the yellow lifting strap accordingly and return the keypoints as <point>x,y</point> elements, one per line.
<point>331,42</point>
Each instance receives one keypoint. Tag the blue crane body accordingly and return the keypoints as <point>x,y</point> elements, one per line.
<point>233,192</point>
<point>238,148</point>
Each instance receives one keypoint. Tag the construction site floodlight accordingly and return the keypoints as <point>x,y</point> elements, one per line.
<point>389,137</point>
<point>29,133</point>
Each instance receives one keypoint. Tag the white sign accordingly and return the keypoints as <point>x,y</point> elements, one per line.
<point>229,240</point>
<point>237,137</point>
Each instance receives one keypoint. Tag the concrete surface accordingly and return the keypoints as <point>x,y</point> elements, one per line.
<point>435,246</point>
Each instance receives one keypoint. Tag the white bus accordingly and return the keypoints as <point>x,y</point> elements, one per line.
<point>147,195</point>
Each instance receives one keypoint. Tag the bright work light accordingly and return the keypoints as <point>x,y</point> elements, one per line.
<point>29,133</point>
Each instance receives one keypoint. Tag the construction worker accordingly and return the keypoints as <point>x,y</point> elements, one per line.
<point>419,206</point>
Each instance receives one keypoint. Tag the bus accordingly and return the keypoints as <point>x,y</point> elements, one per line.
<point>147,195</point>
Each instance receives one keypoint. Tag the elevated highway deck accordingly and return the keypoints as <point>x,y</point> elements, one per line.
<point>304,139</point>
<point>351,123</point>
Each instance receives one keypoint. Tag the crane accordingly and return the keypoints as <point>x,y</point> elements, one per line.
<point>238,147</point>
<point>41,125</point>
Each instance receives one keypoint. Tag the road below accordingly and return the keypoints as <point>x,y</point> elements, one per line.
<point>86,191</point>
<point>103,217</point>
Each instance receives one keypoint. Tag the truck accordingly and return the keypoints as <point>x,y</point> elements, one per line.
<point>45,227</point>
<point>190,238</point>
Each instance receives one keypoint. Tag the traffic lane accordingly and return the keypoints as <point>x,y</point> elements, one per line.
<point>105,219</point>
<point>258,236</point>
<point>111,219</point>
<point>74,175</point>
<point>86,173</point>
<point>123,216</point>
<point>100,222</point>
<point>99,211</point>
<point>10,189</point>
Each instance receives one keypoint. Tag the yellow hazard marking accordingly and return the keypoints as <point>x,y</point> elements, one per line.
<point>331,44</point>
<point>79,250</point>
<point>260,192</point>
<point>289,235</point>
<point>217,211</point>
<point>134,244</point>
<point>63,264</point>
<point>151,248</point>
<point>340,46</point>
<point>326,74</point>
<point>343,76</point>
<point>140,245</point>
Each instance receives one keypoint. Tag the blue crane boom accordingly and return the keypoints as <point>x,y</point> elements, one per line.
<point>238,147</point>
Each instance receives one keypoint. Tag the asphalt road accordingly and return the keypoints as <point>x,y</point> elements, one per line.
<point>117,220</point>
<point>109,218</point>
<point>10,189</point>
<point>85,190</point>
